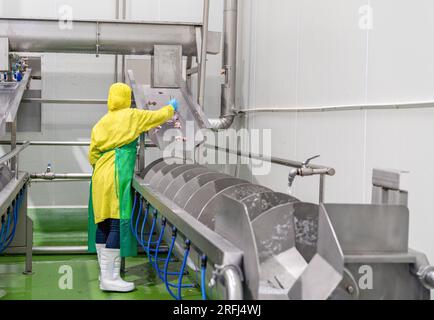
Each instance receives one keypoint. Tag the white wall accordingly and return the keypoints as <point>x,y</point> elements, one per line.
<point>309,53</point>
<point>85,76</point>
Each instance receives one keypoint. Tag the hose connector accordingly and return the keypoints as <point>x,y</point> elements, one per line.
<point>204,261</point>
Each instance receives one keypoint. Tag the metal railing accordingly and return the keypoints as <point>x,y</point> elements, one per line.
<point>149,144</point>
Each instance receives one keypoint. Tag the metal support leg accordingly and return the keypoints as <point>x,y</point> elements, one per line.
<point>29,247</point>
<point>13,142</point>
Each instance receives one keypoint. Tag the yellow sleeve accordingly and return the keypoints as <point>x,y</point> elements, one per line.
<point>94,153</point>
<point>148,120</point>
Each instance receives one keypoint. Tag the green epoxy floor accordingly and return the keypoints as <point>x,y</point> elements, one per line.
<point>68,227</point>
<point>59,226</point>
<point>48,281</point>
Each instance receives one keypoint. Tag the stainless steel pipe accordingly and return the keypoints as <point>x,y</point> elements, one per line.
<point>394,106</point>
<point>66,101</point>
<point>230,33</point>
<point>234,287</point>
<point>60,250</point>
<point>63,143</point>
<point>314,169</point>
<point>64,176</point>
<point>202,71</point>
<point>96,37</point>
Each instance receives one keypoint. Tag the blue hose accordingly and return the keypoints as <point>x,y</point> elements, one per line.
<point>132,213</point>
<point>2,229</point>
<point>157,252</point>
<point>153,253</point>
<point>166,264</point>
<point>139,214</point>
<point>17,207</point>
<point>15,216</point>
<point>5,229</point>
<point>151,233</point>
<point>142,231</point>
<point>203,277</point>
<point>157,248</point>
<point>7,240</point>
<point>6,235</point>
<point>181,272</point>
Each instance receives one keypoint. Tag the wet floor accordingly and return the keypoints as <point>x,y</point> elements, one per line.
<point>75,277</point>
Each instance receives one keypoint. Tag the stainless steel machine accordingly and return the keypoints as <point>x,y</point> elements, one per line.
<point>278,247</point>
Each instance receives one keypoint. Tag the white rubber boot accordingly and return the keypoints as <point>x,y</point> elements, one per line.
<point>110,272</point>
<point>99,247</point>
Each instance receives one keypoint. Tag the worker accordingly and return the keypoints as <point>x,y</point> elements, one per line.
<point>112,155</point>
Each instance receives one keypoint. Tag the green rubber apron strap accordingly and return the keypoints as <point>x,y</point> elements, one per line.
<point>125,161</point>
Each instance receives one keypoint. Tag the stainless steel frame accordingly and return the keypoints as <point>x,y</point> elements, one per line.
<point>221,254</point>
<point>23,240</point>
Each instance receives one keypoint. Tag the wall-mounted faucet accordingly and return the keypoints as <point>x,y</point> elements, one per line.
<point>306,170</point>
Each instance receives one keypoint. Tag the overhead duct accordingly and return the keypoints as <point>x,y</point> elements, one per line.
<point>96,37</point>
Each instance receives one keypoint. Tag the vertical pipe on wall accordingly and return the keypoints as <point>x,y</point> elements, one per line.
<point>230,30</point>
<point>202,71</point>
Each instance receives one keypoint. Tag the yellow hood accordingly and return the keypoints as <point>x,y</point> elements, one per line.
<point>119,97</point>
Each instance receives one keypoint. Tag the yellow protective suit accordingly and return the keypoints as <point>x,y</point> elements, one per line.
<point>119,127</point>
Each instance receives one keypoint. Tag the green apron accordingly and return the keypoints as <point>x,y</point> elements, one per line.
<point>125,161</point>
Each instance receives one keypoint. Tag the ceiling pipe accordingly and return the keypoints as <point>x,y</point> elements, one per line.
<point>230,30</point>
